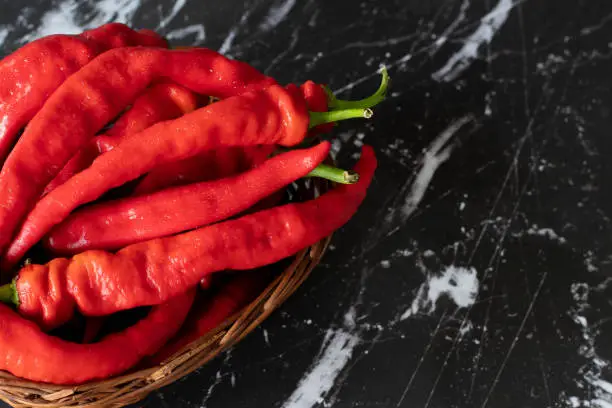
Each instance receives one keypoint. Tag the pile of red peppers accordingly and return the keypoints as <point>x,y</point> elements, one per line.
<point>152,177</point>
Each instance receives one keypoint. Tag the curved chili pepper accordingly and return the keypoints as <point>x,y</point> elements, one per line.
<point>232,160</point>
<point>115,224</point>
<point>30,354</point>
<point>208,165</point>
<point>208,314</point>
<point>268,116</point>
<point>32,73</point>
<point>97,284</point>
<point>268,202</point>
<point>163,101</point>
<point>93,96</point>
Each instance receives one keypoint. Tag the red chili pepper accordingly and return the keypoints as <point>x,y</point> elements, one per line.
<point>92,97</point>
<point>230,160</point>
<point>268,116</point>
<point>212,311</point>
<point>208,165</point>
<point>28,353</point>
<point>161,102</point>
<point>32,73</point>
<point>114,224</point>
<point>97,284</point>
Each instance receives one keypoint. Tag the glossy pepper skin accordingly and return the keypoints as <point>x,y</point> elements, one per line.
<point>96,282</point>
<point>230,160</point>
<point>208,314</point>
<point>115,224</point>
<point>227,161</point>
<point>30,354</point>
<point>163,101</point>
<point>269,116</point>
<point>92,97</point>
<point>208,165</point>
<point>316,98</point>
<point>32,73</point>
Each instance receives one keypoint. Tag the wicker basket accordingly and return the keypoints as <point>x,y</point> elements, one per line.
<point>134,386</point>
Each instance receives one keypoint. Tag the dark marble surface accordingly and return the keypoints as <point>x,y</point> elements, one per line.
<point>476,274</point>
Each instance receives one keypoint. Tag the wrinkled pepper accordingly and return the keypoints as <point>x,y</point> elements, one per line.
<point>96,282</point>
<point>163,101</point>
<point>114,224</point>
<point>30,354</point>
<point>32,73</point>
<point>93,96</point>
<point>268,116</point>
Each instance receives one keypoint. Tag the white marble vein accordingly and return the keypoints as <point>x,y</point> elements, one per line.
<point>547,233</point>
<point>462,59</point>
<point>195,29</point>
<point>277,14</point>
<point>218,379</point>
<point>336,352</point>
<point>176,9</point>
<point>66,17</point>
<point>4,32</point>
<point>443,38</point>
<point>434,156</point>
<point>228,42</point>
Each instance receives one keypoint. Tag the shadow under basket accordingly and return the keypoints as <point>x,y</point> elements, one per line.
<point>133,386</point>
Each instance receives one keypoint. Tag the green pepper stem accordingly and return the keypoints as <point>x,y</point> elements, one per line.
<point>334,174</point>
<point>320,118</point>
<point>8,294</point>
<point>377,97</point>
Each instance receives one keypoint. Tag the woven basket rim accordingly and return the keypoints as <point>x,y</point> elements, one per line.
<point>133,386</point>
